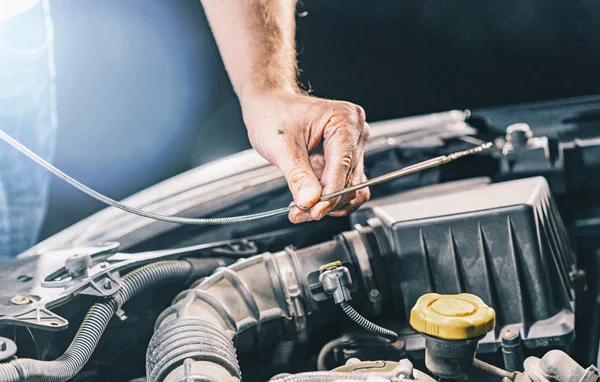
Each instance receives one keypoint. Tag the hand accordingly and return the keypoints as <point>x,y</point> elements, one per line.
<point>317,143</point>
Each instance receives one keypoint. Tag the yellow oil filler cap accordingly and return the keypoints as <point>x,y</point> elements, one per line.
<point>452,316</point>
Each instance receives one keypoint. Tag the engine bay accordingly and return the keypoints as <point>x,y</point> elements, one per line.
<point>483,269</point>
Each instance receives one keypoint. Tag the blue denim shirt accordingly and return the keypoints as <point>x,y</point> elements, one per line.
<point>28,113</point>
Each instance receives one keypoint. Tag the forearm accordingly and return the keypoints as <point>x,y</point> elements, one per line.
<point>318,144</point>
<point>256,39</point>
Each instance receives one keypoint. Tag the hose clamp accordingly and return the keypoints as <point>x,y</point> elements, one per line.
<point>293,293</point>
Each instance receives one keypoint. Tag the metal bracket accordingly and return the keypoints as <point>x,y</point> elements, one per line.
<point>101,278</point>
<point>102,285</point>
<point>63,279</point>
<point>591,374</point>
<point>241,248</point>
<point>37,317</point>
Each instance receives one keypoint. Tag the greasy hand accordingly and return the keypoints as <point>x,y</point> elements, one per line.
<point>317,143</point>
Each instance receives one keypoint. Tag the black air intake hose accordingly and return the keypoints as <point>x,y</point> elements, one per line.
<point>94,324</point>
<point>250,305</point>
<point>190,337</point>
<point>244,302</point>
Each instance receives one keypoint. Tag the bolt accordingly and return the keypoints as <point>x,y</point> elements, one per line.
<point>374,295</point>
<point>107,284</point>
<point>77,265</point>
<point>518,134</point>
<point>509,334</point>
<point>20,300</point>
<point>3,346</point>
<point>294,290</point>
<point>397,345</point>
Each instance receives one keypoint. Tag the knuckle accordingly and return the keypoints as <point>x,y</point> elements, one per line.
<point>346,162</point>
<point>360,114</point>
<point>345,110</point>
<point>366,133</point>
<point>297,176</point>
<point>345,107</point>
<point>363,195</point>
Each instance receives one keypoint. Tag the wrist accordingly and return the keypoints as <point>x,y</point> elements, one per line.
<point>254,100</point>
<point>252,92</point>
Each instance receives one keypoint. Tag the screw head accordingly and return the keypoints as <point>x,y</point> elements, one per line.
<point>20,299</point>
<point>374,295</point>
<point>107,284</point>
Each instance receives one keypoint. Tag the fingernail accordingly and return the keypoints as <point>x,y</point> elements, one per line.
<point>307,197</point>
<point>301,218</point>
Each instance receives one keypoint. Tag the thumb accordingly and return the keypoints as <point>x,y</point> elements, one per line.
<point>301,179</point>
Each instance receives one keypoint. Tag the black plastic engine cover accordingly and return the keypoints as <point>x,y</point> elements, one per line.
<point>503,242</point>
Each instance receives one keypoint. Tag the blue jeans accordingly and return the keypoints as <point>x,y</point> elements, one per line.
<point>27,113</point>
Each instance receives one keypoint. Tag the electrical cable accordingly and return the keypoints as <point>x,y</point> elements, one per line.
<point>93,326</point>
<point>367,325</point>
<point>434,162</point>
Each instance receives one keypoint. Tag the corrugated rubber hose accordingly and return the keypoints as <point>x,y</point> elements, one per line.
<point>92,327</point>
<point>234,219</point>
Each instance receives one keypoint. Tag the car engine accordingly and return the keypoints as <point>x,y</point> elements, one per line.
<point>483,269</point>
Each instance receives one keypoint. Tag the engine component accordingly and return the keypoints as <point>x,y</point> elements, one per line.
<point>452,317</point>
<point>77,265</point>
<point>8,349</point>
<point>276,293</point>
<point>336,280</point>
<point>359,345</point>
<point>557,366</point>
<point>452,326</point>
<point>253,303</point>
<point>95,323</point>
<point>508,245</point>
<point>357,370</point>
<point>246,302</point>
<point>512,351</point>
<point>364,323</point>
<point>522,153</point>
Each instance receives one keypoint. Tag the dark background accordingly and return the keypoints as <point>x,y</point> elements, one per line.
<point>143,95</point>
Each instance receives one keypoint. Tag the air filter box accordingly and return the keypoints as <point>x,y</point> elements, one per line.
<point>503,242</point>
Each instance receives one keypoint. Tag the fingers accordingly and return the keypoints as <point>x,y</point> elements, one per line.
<point>361,197</point>
<point>296,215</point>
<point>355,178</point>
<point>344,138</point>
<point>301,179</point>
<point>352,201</point>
